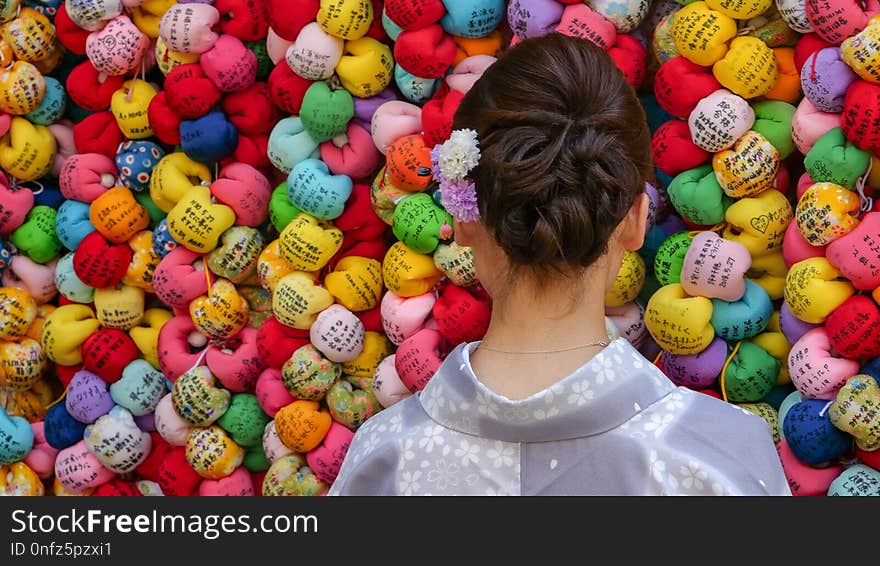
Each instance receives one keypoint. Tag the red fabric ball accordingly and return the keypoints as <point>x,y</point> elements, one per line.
<point>276,342</point>
<point>673,149</point>
<point>426,53</point>
<point>72,37</point>
<point>245,19</point>
<point>371,319</point>
<point>253,151</point>
<point>680,84</point>
<point>287,18</point>
<point>410,15</point>
<point>854,328</point>
<point>117,488</point>
<point>66,373</point>
<point>462,313</point>
<point>358,221</point>
<point>86,89</point>
<point>806,46</point>
<point>251,110</point>
<point>100,264</point>
<point>189,92</point>
<point>164,121</point>
<point>373,249</point>
<point>861,107</point>
<point>149,468</point>
<point>176,476</point>
<point>377,30</point>
<point>871,459</point>
<point>631,58</point>
<point>98,133</point>
<point>438,114</point>
<point>106,353</point>
<point>287,89</point>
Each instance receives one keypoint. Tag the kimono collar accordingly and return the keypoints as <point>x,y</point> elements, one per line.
<point>602,394</point>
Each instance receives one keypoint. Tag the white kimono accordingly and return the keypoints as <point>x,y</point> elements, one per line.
<point>616,426</point>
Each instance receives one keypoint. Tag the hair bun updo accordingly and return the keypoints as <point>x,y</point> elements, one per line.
<point>565,151</point>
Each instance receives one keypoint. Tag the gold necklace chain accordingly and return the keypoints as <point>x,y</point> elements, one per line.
<point>601,343</point>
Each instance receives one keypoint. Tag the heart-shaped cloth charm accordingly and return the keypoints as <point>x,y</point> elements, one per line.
<point>719,120</point>
<point>678,323</point>
<point>814,370</point>
<point>221,314</point>
<point>856,410</point>
<point>302,425</point>
<point>308,374</point>
<point>197,223</point>
<point>826,212</point>
<point>759,222</point>
<point>748,168</point>
<point>312,189</point>
<point>117,441</point>
<point>857,254</point>
<point>715,268</point>
<point>297,300</point>
<point>197,399</point>
<point>212,454</point>
<point>289,476</point>
<point>813,289</point>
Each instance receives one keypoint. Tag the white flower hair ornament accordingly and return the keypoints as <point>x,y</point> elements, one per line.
<point>453,160</point>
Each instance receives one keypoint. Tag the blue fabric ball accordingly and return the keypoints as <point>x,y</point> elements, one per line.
<point>163,243</point>
<point>745,318</point>
<point>5,257</point>
<point>415,89</point>
<point>49,195</point>
<point>72,223</point>
<point>472,18</point>
<point>61,429</point>
<point>135,161</point>
<point>208,139</point>
<point>810,434</point>
<point>53,106</point>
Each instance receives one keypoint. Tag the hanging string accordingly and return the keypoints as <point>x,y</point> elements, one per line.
<point>657,359</point>
<point>724,370</point>
<point>207,274</point>
<point>825,408</point>
<point>866,203</point>
<point>59,399</point>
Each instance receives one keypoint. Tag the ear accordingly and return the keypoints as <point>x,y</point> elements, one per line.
<point>466,233</point>
<point>635,224</point>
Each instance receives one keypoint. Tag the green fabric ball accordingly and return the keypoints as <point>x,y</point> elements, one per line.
<point>421,224</point>
<point>325,113</point>
<point>281,210</point>
<point>773,121</point>
<point>751,374</point>
<point>264,62</point>
<point>255,459</point>
<point>696,196</point>
<point>36,237</point>
<point>146,201</point>
<point>670,258</point>
<point>834,159</point>
<point>244,420</point>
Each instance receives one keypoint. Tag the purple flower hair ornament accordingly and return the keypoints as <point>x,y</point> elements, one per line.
<point>453,160</point>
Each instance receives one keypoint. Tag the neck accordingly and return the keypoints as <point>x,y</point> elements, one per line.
<point>526,321</point>
<point>546,320</point>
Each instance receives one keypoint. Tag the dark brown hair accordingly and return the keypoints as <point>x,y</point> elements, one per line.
<point>565,151</point>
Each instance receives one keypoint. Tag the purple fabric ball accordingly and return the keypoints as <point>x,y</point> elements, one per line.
<point>697,371</point>
<point>364,108</point>
<point>534,18</point>
<point>825,79</point>
<point>793,327</point>
<point>88,397</point>
<point>146,423</point>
